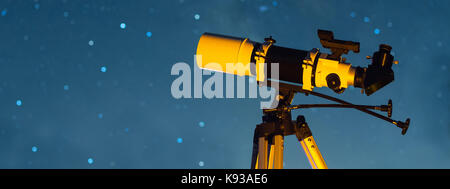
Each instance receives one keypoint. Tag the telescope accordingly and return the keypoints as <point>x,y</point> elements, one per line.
<point>299,71</point>
<point>307,68</point>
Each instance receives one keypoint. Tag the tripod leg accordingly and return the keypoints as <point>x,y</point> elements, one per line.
<point>313,153</point>
<point>306,139</point>
<point>270,163</point>
<point>278,151</point>
<point>271,156</point>
<point>254,163</point>
<point>262,152</point>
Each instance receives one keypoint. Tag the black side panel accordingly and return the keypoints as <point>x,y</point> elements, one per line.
<point>289,62</point>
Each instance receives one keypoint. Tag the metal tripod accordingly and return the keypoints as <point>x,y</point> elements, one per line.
<point>268,138</point>
<point>268,141</point>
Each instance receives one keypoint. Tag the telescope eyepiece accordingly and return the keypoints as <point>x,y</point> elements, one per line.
<point>379,73</point>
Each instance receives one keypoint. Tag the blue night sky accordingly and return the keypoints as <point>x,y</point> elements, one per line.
<point>86,84</point>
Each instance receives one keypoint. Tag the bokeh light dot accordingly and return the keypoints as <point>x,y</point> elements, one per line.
<point>179,140</point>
<point>4,11</point>
<point>263,8</point>
<point>19,102</point>
<point>148,34</point>
<point>389,24</point>
<point>376,31</point>
<point>366,19</point>
<point>274,3</point>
